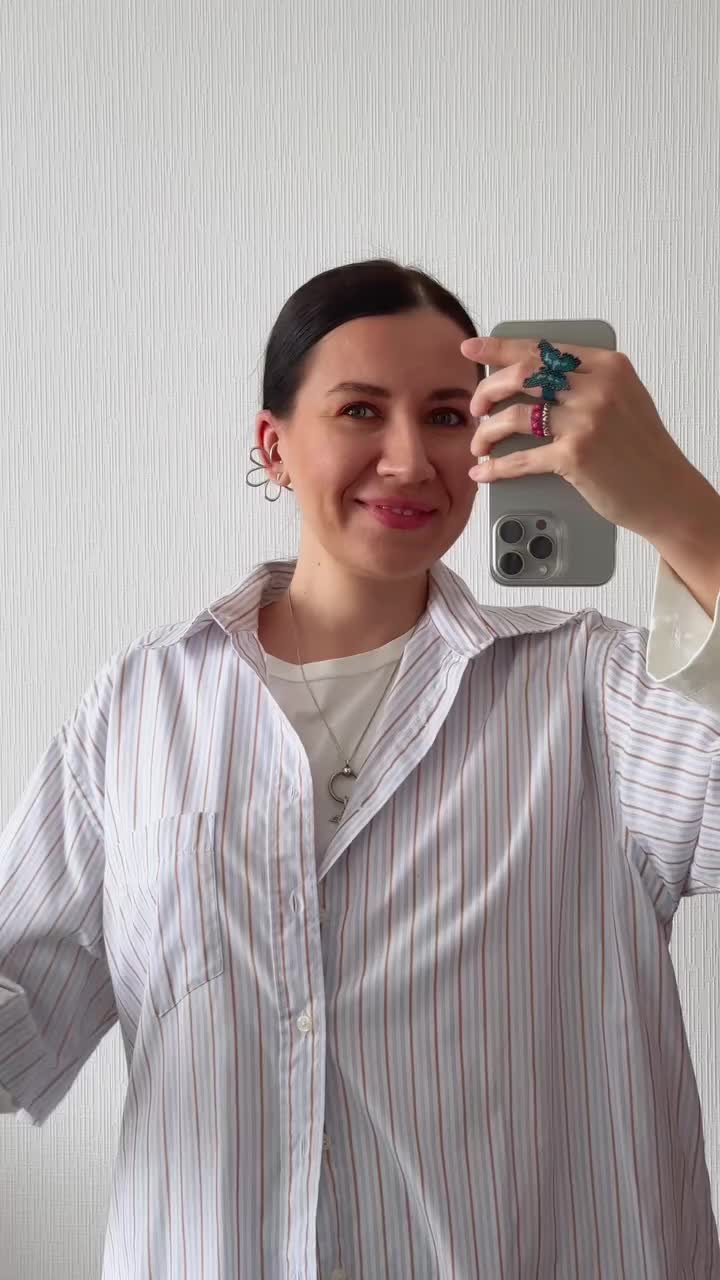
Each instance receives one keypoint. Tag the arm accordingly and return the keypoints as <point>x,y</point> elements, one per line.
<point>56,994</point>
<point>660,743</point>
<point>689,543</point>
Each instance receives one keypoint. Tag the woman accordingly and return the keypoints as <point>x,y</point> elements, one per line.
<point>377,881</point>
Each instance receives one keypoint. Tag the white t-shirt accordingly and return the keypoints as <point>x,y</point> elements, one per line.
<point>348,690</point>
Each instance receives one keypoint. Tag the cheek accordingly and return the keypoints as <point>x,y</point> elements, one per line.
<point>463,491</point>
<point>453,473</point>
<point>338,472</point>
<point>325,482</point>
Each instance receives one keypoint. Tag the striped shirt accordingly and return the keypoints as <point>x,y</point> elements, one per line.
<point>446,1041</point>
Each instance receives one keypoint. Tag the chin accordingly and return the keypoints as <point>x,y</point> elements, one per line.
<point>391,564</point>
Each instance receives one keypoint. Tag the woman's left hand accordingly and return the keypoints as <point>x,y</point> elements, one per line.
<point>608,440</point>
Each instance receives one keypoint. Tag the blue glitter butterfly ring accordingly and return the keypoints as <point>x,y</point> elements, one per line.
<point>551,378</point>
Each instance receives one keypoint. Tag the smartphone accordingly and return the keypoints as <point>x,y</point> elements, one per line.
<point>542,531</point>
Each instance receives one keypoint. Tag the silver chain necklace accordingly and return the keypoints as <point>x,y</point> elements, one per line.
<point>347,771</point>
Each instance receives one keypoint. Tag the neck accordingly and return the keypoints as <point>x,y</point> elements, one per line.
<point>338,614</point>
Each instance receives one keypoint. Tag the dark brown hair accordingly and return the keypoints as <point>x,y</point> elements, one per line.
<point>375,287</point>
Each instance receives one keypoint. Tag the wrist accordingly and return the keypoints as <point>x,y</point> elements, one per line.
<point>690,522</point>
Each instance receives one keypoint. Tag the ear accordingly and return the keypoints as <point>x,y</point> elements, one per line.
<point>265,430</point>
<point>267,435</point>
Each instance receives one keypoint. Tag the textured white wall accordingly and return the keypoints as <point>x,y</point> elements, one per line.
<point>170,172</point>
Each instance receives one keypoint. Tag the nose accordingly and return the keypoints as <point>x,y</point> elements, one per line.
<point>404,454</point>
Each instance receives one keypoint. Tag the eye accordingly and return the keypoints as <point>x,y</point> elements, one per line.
<point>357,406</point>
<point>460,416</point>
<point>461,419</point>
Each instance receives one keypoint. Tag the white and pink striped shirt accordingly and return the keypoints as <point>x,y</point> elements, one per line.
<point>443,1040</point>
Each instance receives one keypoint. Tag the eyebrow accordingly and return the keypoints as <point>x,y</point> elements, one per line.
<point>369,389</point>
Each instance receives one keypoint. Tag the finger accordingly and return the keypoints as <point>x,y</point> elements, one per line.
<point>500,385</point>
<point>505,351</point>
<point>516,420</point>
<point>508,381</point>
<point>527,462</point>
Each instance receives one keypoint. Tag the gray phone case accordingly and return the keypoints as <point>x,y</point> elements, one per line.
<point>542,531</point>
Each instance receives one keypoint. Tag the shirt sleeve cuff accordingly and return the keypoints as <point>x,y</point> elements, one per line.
<point>683,650</point>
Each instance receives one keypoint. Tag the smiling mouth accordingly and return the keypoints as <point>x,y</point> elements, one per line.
<point>397,517</point>
<point>398,511</point>
<point>404,508</point>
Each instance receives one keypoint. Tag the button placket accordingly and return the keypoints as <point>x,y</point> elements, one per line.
<point>299,975</point>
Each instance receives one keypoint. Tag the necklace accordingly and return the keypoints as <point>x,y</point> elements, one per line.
<point>347,771</point>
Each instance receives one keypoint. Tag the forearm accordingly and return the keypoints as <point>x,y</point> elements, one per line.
<point>690,543</point>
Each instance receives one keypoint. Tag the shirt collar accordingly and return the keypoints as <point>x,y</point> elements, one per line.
<point>466,626</point>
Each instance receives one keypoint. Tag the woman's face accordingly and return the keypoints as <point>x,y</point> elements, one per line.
<point>395,440</point>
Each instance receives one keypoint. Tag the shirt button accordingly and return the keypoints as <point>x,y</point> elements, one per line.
<point>339,1274</point>
<point>296,902</point>
<point>326,1142</point>
<point>304,1022</point>
<point>322,914</point>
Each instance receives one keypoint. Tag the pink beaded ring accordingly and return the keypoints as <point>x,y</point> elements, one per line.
<point>540,419</point>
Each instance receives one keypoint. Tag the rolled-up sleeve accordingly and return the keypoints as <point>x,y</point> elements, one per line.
<point>56,995</point>
<point>683,651</point>
<point>656,692</point>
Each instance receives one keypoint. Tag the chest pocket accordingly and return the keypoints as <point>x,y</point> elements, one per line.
<point>171,879</point>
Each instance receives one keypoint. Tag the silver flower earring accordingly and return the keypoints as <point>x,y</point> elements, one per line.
<point>260,466</point>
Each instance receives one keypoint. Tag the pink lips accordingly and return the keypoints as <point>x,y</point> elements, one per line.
<point>407,504</point>
<point>393,520</point>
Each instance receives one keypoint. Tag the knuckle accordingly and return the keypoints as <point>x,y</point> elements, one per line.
<point>610,359</point>
<point>579,447</point>
<point>518,462</point>
<point>617,368</point>
<point>600,397</point>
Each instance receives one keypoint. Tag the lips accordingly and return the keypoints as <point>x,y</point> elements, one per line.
<point>401,504</point>
<point>398,518</point>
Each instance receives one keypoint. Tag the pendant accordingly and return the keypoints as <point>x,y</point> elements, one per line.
<point>345,772</point>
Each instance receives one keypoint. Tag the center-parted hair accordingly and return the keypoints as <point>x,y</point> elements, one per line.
<point>374,287</point>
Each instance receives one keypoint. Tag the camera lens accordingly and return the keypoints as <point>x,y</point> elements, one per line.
<point>511,531</point>
<point>511,563</point>
<point>540,547</point>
